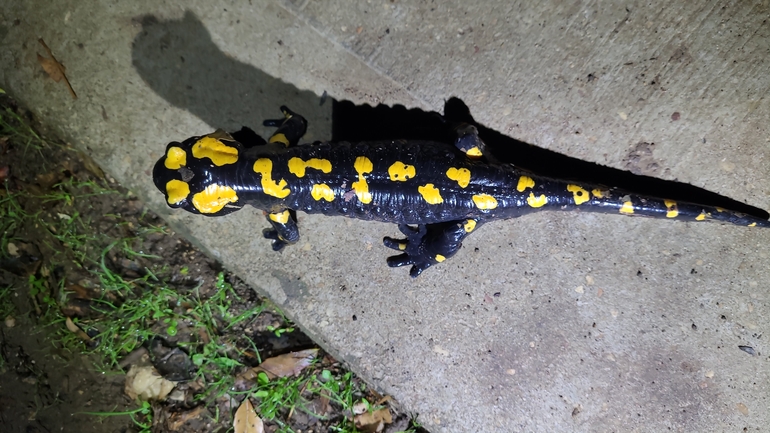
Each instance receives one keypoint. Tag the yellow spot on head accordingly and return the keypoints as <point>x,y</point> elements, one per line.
<point>297,166</point>
<point>598,193</point>
<point>177,191</point>
<point>279,217</point>
<point>672,209</point>
<point>537,201</point>
<point>439,258</point>
<point>264,166</point>
<point>362,166</point>
<point>400,172</point>
<point>524,183</point>
<point>579,194</point>
<point>214,198</point>
<point>175,158</point>
<point>279,138</point>
<point>430,193</point>
<point>702,216</point>
<point>627,208</point>
<point>216,150</point>
<point>469,225</point>
<point>460,175</point>
<point>322,191</point>
<point>753,225</point>
<point>473,152</point>
<point>484,201</point>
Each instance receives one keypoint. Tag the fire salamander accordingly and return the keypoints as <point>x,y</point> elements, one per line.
<point>437,193</point>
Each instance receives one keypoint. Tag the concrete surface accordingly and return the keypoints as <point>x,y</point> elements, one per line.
<point>553,322</point>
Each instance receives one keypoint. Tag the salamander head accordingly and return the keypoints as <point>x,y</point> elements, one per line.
<point>193,174</point>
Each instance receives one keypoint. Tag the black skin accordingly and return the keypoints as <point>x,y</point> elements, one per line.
<point>437,193</point>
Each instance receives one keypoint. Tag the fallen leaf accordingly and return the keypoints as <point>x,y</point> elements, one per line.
<point>145,384</point>
<point>178,419</point>
<point>289,364</point>
<point>371,422</point>
<point>53,68</point>
<point>246,420</point>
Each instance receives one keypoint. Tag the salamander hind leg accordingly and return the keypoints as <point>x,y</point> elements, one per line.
<point>428,244</point>
<point>290,129</point>
<point>284,229</point>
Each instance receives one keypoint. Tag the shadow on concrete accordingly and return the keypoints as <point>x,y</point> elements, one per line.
<point>180,62</point>
<point>361,123</point>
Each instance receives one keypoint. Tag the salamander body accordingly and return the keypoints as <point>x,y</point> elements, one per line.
<point>437,193</point>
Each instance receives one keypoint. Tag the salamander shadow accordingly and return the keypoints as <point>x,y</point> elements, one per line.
<point>181,63</point>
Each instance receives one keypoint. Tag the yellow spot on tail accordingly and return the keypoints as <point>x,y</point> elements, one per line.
<point>322,191</point>
<point>362,166</point>
<point>537,201</point>
<point>264,166</point>
<point>598,193</point>
<point>627,208</point>
<point>524,183</point>
<point>753,225</point>
<point>672,209</point>
<point>579,194</point>
<point>214,198</point>
<point>400,172</point>
<point>460,175</point>
<point>217,151</point>
<point>440,258</point>
<point>279,138</point>
<point>175,158</point>
<point>484,201</point>
<point>177,191</point>
<point>297,166</point>
<point>279,217</point>
<point>430,193</point>
<point>702,216</point>
<point>469,225</point>
<point>473,152</point>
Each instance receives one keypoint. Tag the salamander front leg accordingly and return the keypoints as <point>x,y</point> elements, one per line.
<point>290,129</point>
<point>428,244</point>
<point>284,231</point>
<point>470,143</point>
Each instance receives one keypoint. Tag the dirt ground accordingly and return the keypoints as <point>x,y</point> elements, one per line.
<point>54,375</point>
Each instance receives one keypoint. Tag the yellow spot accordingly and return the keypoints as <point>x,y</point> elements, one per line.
<point>439,258</point>
<point>264,166</point>
<point>402,246</point>
<point>598,193</point>
<point>627,208</point>
<point>460,175</point>
<point>297,166</point>
<point>473,152</point>
<point>484,201</point>
<point>430,194</point>
<point>218,152</point>
<point>322,191</point>
<point>362,166</point>
<point>279,217</point>
<point>579,194</point>
<point>672,209</point>
<point>214,198</point>
<point>524,183</point>
<point>177,191</point>
<point>537,201</point>
<point>702,216</point>
<point>753,225</point>
<point>175,158</point>
<point>719,209</point>
<point>400,172</point>
<point>469,225</point>
<point>279,138</point>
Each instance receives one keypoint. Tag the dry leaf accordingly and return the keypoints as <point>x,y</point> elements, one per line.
<point>72,327</point>
<point>53,68</point>
<point>146,384</point>
<point>246,420</point>
<point>371,422</point>
<point>290,364</point>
